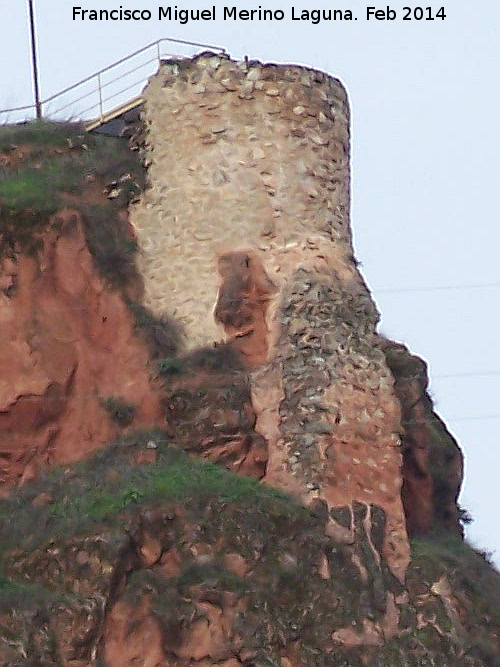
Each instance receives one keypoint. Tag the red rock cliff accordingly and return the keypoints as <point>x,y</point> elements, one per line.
<point>67,344</point>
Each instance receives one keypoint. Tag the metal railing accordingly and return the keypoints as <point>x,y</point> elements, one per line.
<point>98,94</point>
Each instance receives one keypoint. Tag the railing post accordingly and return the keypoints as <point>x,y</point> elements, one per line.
<point>34,59</point>
<point>100,93</point>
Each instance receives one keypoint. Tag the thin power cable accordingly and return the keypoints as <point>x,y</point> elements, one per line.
<point>436,288</point>
<point>461,375</point>
<point>469,419</point>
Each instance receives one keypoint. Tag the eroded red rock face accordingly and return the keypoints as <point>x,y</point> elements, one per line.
<point>210,413</point>
<point>66,343</point>
<point>242,303</point>
<point>133,637</point>
<point>432,460</point>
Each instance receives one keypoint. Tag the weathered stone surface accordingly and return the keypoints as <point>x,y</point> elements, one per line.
<point>67,342</point>
<point>209,409</point>
<point>228,173</point>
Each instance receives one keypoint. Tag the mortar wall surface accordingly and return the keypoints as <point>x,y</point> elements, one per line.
<point>242,157</point>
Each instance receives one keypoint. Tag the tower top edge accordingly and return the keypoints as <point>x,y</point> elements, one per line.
<point>254,68</point>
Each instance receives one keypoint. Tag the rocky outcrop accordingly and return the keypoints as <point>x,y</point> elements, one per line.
<point>69,357</point>
<point>144,557</point>
<point>432,460</point>
<point>208,406</point>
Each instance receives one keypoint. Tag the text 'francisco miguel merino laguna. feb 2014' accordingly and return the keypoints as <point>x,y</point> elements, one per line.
<point>234,13</point>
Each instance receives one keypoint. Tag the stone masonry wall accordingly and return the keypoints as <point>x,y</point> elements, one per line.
<point>245,237</point>
<point>242,157</point>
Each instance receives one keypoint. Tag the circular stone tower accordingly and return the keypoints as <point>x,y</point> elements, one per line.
<point>245,236</point>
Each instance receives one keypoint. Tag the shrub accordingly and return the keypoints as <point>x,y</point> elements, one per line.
<point>119,410</point>
<point>170,366</point>
<point>112,248</point>
<point>162,334</point>
<point>220,358</point>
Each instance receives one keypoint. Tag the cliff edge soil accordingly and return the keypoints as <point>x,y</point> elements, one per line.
<point>70,359</point>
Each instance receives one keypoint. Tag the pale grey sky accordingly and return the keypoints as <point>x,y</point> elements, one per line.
<point>425,145</point>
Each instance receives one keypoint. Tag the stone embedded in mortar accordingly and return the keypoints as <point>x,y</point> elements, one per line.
<point>338,418</point>
<point>233,171</point>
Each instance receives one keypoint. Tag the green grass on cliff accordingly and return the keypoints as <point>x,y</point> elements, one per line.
<point>98,509</point>
<point>39,189</point>
<point>39,181</point>
<point>39,134</point>
<point>467,568</point>
<point>475,584</point>
<point>25,594</point>
<point>200,514</point>
<point>111,485</point>
<point>50,166</point>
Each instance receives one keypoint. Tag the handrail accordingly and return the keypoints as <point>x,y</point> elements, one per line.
<point>24,108</point>
<point>100,85</point>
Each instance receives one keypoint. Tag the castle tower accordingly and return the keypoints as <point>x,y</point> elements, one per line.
<point>245,236</point>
